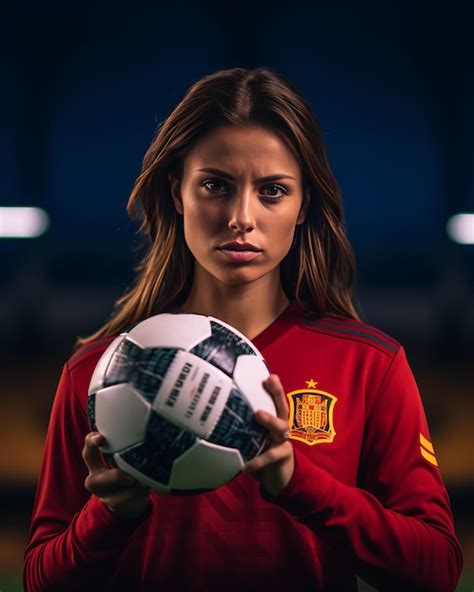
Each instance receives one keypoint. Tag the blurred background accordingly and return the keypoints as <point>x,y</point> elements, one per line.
<point>84,87</point>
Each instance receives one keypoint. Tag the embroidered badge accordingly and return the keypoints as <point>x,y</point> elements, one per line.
<point>311,415</point>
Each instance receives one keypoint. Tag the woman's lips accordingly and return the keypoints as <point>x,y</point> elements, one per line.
<point>234,255</point>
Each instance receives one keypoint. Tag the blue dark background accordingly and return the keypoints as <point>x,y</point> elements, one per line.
<point>84,87</point>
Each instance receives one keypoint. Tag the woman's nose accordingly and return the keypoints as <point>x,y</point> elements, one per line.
<point>242,217</point>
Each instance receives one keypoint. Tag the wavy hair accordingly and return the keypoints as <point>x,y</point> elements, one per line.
<point>318,271</point>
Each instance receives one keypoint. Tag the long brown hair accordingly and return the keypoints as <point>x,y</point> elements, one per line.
<point>319,270</point>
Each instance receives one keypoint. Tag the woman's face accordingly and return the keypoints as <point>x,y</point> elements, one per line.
<point>252,197</point>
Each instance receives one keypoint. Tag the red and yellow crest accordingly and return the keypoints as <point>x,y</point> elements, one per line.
<point>311,415</point>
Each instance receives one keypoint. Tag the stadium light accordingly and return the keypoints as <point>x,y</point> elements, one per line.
<point>460,228</point>
<point>23,222</point>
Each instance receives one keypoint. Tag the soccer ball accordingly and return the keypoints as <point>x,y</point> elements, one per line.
<point>175,399</point>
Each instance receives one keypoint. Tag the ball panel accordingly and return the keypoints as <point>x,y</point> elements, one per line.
<point>122,363</point>
<point>222,348</point>
<point>181,331</point>
<point>91,411</point>
<point>237,427</point>
<point>249,373</point>
<point>97,382</point>
<point>147,464</point>
<point>121,415</point>
<point>193,394</point>
<point>241,341</point>
<point>155,455</point>
<point>205,466</point>
<point>166,439</point>
<point>121,463</point>
<point>151,370</point>
<point>144,369</point>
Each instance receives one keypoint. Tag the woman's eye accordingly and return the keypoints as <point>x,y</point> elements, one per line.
<point>276,196</point>
<point>209,185</point>
<point>275,191</point>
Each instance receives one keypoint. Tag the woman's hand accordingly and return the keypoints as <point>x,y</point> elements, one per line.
<point>274,467</point>
<point>120,492</point>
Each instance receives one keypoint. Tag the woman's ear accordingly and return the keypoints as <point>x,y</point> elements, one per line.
<point>175,193</point>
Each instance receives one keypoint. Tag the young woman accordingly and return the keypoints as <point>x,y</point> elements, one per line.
<point>244,222</point>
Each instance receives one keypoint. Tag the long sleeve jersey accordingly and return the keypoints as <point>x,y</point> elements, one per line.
<point>366,496</point>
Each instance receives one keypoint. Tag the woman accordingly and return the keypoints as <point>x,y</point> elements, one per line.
<point>244,222</point>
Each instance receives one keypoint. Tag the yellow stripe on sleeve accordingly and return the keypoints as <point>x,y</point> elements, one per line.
<point>429,457</point>
<point>426,443</point>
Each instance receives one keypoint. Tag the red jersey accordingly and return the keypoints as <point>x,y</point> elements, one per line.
<point>366,497</point>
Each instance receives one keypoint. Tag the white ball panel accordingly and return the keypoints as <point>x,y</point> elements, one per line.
<point>241,335</point>
<point>193,394</point>
<point>97,381</point>
<point>205,466</point>
<point>122,464</point>
<point>249,373</point>
<point>181,331</point>
<point>122,423</point>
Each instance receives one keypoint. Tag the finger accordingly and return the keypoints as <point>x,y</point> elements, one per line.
<point>91,453</point>
<point>125,497</point>
<point>275,388</point>
<point>109,482</point>
<point>271,456</point>
<point>276,426</point>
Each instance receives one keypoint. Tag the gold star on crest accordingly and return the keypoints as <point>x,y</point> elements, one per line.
<point>311,383</point>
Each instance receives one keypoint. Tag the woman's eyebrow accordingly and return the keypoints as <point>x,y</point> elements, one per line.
<point>231,178</point>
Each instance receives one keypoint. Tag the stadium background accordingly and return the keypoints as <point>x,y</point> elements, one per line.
<point>84,87</point>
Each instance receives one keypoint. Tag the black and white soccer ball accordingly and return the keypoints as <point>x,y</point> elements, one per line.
<point>175,399</point>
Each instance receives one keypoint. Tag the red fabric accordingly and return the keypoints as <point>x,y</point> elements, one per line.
<point>365,503</point>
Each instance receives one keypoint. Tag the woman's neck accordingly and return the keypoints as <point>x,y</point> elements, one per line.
<point>250,308</point>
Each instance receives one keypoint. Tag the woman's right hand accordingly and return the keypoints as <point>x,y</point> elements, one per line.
<point>120,492</point>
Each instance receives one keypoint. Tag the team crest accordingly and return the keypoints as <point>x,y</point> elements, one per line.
<point>311,415</point>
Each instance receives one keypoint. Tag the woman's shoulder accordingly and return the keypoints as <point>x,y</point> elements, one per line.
<point>79,368</point>
<point>89,353</point>
<point>348,329</point>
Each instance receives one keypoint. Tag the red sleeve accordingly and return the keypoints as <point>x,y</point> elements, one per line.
<point>74,537</point>
<point>398,524</point>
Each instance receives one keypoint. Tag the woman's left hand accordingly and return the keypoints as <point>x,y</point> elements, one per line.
<point>274,466</point>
